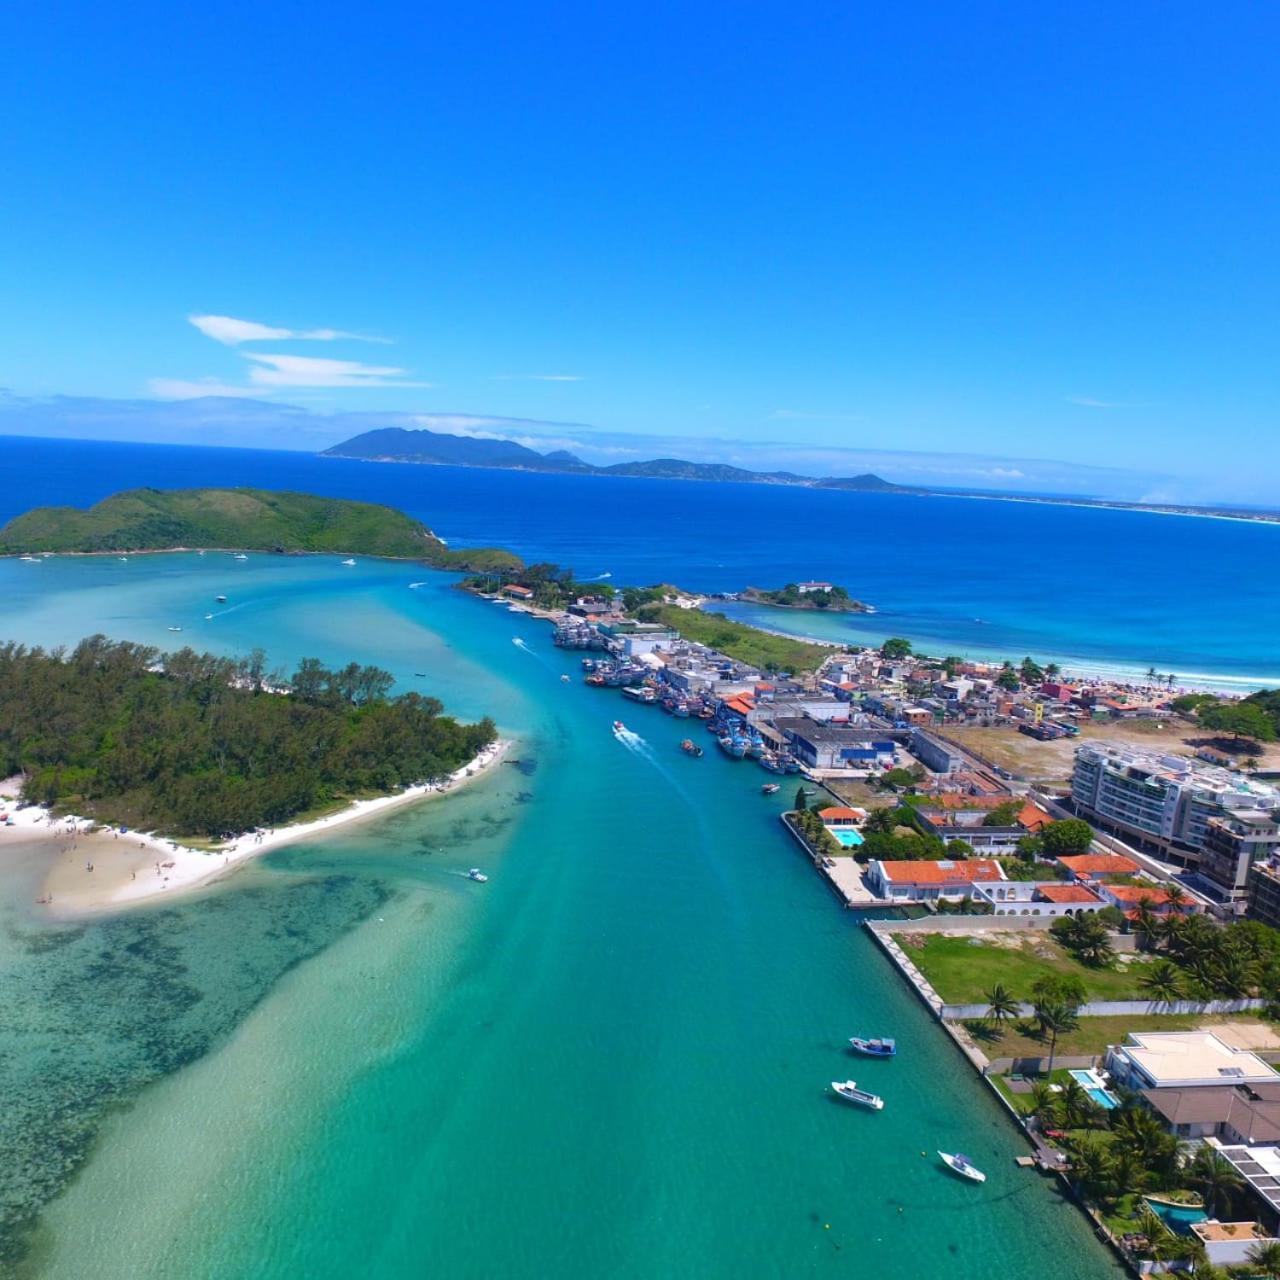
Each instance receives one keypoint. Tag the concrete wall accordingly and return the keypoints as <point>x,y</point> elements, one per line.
<point>1118,1008</point>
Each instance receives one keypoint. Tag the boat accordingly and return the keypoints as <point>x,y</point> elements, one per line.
<point>619,727</point>
<point>691,748</point>
<point>588,664</point>
<point>477,875</point>
<point>175,628</point>
<point>878,1048</point>
<point>240,555</point>
<point>124,559</point>
<point>962,1165</point>
<point>771,763</point>
<point>219,599</point>
<point>30,559</point>
<point>564,679</point>
<point>733,747</point>
<point>348,562</point>
<point>207,616</point>
<point>849,1091</point>
<point>769,789</point>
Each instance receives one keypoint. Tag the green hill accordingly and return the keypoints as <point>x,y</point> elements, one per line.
<point>244,519</point>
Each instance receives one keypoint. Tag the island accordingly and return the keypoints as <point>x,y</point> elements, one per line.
<point>439,448</point>
<point>825,596</point>
<point>240,520</point>
<point>193,745</point>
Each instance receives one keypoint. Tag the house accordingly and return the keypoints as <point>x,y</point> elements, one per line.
<point>1037,898</point>
<point>840,816</point>
<point>517,592</point>
<point>804,588</point>
<point>1234,1113</point>
<point>929,881</point>
<point>1032,818</point>
<point>1129,897</point>
<point>1098,866</point>
<point>1184,1060</point>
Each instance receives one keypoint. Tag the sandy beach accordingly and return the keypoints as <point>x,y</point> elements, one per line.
<point>99,868</point>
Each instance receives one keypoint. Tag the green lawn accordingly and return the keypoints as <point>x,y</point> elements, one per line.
<point>1014,1040</point>
<point>963,969</point>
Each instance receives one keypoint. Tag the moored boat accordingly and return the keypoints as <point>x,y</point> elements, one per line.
<point>691,748</point>
<point>961,1164</point>
<point>769,789</point>
<point>877,1048</point>
<point>849,1091</point>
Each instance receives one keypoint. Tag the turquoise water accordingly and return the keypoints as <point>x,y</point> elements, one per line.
<point>1178,1217</point>
<point>611,1060</point>
<point>1101,1095</point>
<point>846,836</point>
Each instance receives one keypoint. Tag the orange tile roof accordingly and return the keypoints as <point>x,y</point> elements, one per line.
<point>1135,893</point>
<point>1033,817</point>
<point>1099,864</point>
<point>1067,893</point>
<point>836,812</point>
<point>965,871</point>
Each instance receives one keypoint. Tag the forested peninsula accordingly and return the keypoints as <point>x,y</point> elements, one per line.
<point>191,744</point>
<point>241,520</point>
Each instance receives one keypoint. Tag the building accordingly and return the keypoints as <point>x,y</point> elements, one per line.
<point>935,754</point>
<point>1234,842</point>
<point>835,746</point>
<point>929,881</point>
<point>1167,803</point>
<point>1130,897</point>
<point>1184,1060</point>
<point>1259,1166</point>
<point>804,588</point>
<point>1264,893</point>
<point>1098,866</point>
<point>517,592</point>
<point>841,816</point>
<point>633,639</point>
<point>1243,1113</point>
<point>1037,898</point>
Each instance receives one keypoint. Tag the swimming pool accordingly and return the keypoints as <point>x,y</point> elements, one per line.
<point>1093,1086</point>
<point>1177,1217</point>
<point>846,836</point>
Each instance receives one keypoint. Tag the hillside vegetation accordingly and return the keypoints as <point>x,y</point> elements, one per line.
<point>244,519</point>
<point>194,744</point>
<point>747,644</point>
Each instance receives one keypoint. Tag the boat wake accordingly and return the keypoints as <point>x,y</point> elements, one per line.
<point>520,644</point>
<point>413,586</point>
<point>633,742</point>
<point>600,577</point>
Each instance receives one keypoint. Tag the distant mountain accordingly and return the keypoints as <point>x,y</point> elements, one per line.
<point>396,444</point>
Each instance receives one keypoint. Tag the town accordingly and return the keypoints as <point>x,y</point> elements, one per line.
<point>1079,879</point>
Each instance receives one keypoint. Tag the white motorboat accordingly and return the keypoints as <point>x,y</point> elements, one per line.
<point>240,556</point>
<point>849,1091</point>
<point>348,562</point>
<point>962,1165</point>
<point>175,628</point>
<point>476,874</point>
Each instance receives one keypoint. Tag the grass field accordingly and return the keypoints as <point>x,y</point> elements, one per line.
<point>758,648</point>
<point>963,969</point>
<point>1013,1040</point>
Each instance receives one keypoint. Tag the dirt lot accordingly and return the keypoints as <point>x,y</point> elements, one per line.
<point>1051,761</point>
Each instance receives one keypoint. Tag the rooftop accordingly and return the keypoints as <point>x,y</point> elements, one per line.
<point>1099,864</point>
<point>1067,893</point>
<point>1170,1058</point>
<point>943,872</point>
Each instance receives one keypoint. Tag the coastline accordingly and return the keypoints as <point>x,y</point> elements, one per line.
<point>137,867</point>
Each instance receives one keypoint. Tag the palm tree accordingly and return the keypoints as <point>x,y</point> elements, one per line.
<point>1251,762</point>
<point>1176,896</point>
<point>1051,669</point>
<point>1163,982</point>
<point>1046,1106</point>
<point>1169,679</point>
<point>1079,1111</point>
<point>1146,922</point>
<point>1056,1017</point>
<point>1140,1134</point>
<point>1152,675</point>
<point>1001,1005</point>
<point>1091,1164</point>
<point>1215,1177</point>
<point>1266,1258</point>
<point>1159,1237</point>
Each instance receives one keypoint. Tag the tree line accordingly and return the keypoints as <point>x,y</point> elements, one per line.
<point>196,744</point>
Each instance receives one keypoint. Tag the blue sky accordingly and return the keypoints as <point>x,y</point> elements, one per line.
<point>994,229</point>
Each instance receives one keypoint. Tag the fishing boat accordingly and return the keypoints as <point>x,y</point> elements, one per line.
<point>681,709</point>
<point>849,1091</point>
<point>477,875</point>
<point>691,748</point>
<point>770,762</point>
<point>790,764</point>
<point>878,1048</point>
<point>735,748</point>
<point>962,1165</point>
<point>769,789</point>
<point>588,664</point>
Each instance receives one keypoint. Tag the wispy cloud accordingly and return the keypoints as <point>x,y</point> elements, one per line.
<point>1088,402</point>
<point>232,332</point>
<point>314,371</point>
<point>192,389</point>
<point>804,415</point>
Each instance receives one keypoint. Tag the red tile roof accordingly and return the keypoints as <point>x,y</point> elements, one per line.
<point>1067,893</point>
<point>838,813</point>
<point>1135,893</point>
<point>1033,817</point>
<point>1099,864</point>
<point>965,871</point>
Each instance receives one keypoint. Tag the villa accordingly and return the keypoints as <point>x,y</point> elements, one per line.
<point>929,881</point>
<point>1184,1060</point>
<point>1037,898</point>
<point>1098,866</point>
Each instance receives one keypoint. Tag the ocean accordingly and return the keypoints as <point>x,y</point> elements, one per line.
<point>1095,590</point>
<point>612,1059</point>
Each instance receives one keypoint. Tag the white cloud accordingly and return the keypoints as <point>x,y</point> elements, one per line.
<point>313,371</point>
<point>232,332</point>
<point>184,389</point>
<point>1088,402</point>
